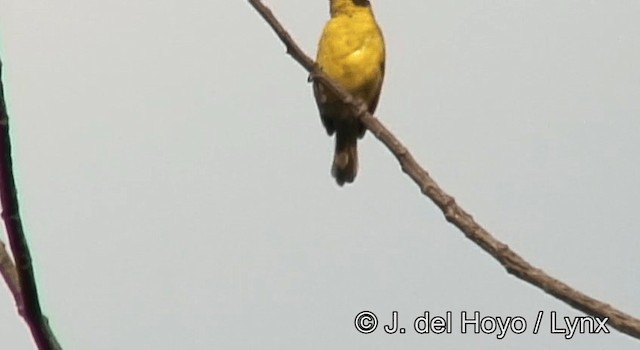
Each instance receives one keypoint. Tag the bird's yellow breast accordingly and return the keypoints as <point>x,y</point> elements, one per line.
<point>351,51</point>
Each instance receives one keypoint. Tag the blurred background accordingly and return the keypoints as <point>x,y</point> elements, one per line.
<point>174,178</point>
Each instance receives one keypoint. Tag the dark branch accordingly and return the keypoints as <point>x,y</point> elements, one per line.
<point>453,213</point>
<point>28,303</point>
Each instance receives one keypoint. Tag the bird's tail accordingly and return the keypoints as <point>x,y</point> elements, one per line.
<point>345,160</point>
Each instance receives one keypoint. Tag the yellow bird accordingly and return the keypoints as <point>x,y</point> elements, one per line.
<point>351,52</point>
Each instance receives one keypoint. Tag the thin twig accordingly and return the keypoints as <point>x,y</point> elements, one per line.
<point>28,303</point>
<point>512,262</point>
<point>10,276</point>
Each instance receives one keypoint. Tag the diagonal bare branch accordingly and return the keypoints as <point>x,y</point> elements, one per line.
<point>512,262</point>
<point>27,299</point>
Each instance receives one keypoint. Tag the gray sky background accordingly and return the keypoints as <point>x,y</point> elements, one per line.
<point>174,174</point>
